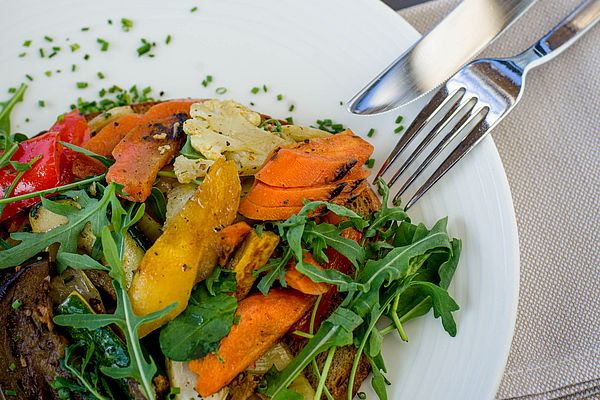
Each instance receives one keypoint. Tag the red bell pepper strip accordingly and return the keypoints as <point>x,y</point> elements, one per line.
<point>53,169</point>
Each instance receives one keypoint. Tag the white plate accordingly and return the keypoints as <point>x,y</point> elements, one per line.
<point>316,53</point>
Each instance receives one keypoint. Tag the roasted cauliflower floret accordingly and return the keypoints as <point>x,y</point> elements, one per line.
<point>227,129</point>
<point>187,169</point>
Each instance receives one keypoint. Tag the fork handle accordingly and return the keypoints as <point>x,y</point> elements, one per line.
<point>563,35</point>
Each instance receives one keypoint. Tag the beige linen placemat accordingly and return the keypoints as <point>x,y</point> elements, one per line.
<point>550,147</point>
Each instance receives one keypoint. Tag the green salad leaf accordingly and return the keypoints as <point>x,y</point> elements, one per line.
<point>198,330</point>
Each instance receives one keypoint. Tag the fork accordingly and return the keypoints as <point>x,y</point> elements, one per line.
<point>473,101</point>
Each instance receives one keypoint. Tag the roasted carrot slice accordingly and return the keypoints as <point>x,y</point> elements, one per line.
<point>229,239</point>
<point>315,162</point>
<point>263,321</point>
<point>271,196</point>
<point>103,144</point>
<point>261,213</point>
<point>299,281</point>
<point>252,210</point>
<point>168,108</point>
<point>108,137</point>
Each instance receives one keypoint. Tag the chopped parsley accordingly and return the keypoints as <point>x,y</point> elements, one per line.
<point>100,75</point>
<point>74,47</point>
<point>144,48</point>
<point>27,43</point>
<point>207,80</point>
<point>103,44</point>
<point>16,304</point>
<point>255,90</point>
<point>126,24</point>
<point>329,125</point>
<point>279,97</point>
<point>370,163</point>
<point>41,103</point>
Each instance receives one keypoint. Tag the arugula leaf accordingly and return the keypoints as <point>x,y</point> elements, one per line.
<point>21,168</point>
<point>79,261</point>
<point>276,268</point>
<point>7,107</point>
<point>92,211</point>
<point>443,304</point>
<point>189,152</point>
<point>330,235</point>
<point>158,204</point>
<point>221,281</point>
<point>107,162</point>
<point>199,329</point>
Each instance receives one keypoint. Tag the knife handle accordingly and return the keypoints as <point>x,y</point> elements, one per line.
<point>563,35</point>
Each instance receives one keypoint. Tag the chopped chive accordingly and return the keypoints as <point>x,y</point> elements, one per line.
<point>370,162</point>
<point>12,366</point>
<point>292,107</point>
<point>399,129</point>
<point>27,119</point>
<point>73,67</point>
<point>361,395</point>
<point>29,77</point>
<point>21,55</point>
<point>48,73</point>
<point>48,39</point>
<point>86,57</point>
<point>109,21</point>
<point>126,24</point>
<point>144,48</point>
<point>399,119</point>
<point>194,9</point>
<point>103,44</point>
<point>41,103</point>
<point>207,80</point>
<point>100,75</point>
<point>10,392</point>
<point>85,29</point>
<point>255,90</point>
<point>341,103</point>
<point>290,120</point>
<point>221,90</point>
<point>279,97</point>
<point>74,47</point>
<point>27,43</point>
<point>265,88</point>
<point>16,304</point>
<point>168,39</point>
<point>52,54</point>
<point>12,90</point>
<point>82,85</point>
<point>56,48</point>
<point>371,132</point>
<point>41,52</point>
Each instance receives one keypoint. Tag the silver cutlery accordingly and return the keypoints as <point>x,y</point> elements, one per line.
<point>457,39</point>
<point>475,99</point>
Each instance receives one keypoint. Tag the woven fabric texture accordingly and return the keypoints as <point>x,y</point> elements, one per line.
<point>550,147</point>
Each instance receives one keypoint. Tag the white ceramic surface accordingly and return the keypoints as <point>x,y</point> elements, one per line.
<point>316,53</point>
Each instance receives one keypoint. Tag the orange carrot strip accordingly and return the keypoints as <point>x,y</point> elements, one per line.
<point>229,238</point>
<point>168,108</point>
<point>316,161</point>
<point>299,281</point>
<point>272,196</point>
<point>263,321</point>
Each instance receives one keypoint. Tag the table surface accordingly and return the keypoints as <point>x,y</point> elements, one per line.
<point>398,4</point>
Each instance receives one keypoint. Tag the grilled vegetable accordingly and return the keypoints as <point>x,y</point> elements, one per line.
<point>263,321</point>
<point>252,255</point>
<point>186,252</point>
<point>230,238</point>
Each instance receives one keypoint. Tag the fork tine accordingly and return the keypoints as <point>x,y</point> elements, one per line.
<point>460,126</point>
<point>475,135</point>
<point>435,105</point>
<point>456,109</point>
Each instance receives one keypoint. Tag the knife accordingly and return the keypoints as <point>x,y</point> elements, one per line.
<point>467,30</point>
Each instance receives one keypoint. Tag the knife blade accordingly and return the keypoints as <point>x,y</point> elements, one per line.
<point>454,41</point>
